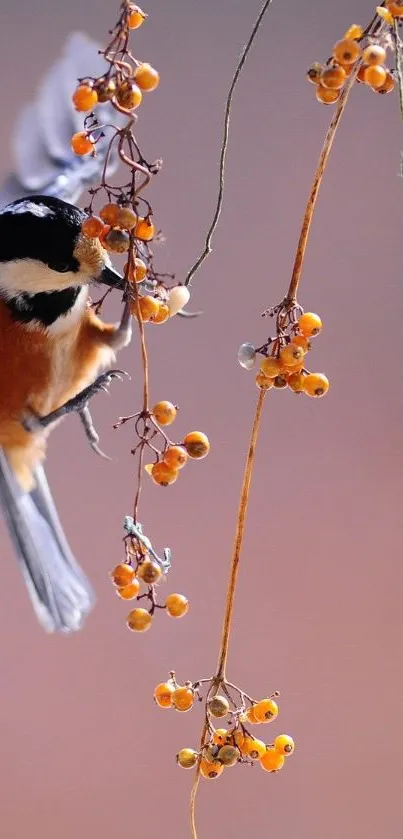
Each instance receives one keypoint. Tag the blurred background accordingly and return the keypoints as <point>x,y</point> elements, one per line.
<point>84,751</point>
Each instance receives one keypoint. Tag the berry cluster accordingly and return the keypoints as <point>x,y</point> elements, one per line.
<point>171,457</point>
<point>142,566</point>
<point>362,52</point>
<point>284,356</point>
<point>223,747</point>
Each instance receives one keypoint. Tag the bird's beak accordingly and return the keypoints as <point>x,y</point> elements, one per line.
<point>111,278</point>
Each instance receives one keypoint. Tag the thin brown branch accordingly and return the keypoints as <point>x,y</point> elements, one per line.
<point>223,153</point>
<point>399,62</point>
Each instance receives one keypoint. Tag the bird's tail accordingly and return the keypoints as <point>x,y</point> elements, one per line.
<point>60,592</point>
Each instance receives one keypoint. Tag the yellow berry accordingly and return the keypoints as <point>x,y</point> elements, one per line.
<point>375,75</point>
<point>135,17</point>
<point>272,761</point>
<point>314,73</point>
<point>296,382</point>
<point>164,475</point>
<point>82,144</point>
<point>122,575</point>
<point>250,715</point>
<point>218,706</point>
<point>263,382</point>
<point>183,698</point>
<point>228,755</point>
<point>374,54</point>
<point>149,571</point>
<point>327,96</point>
<point>129,592</point>
<point>175,456</point>
<point>129,95</point>
<point>85,98</point>
<point>210,769</point>
<point>222,737</point>
<point>333,77</point>
<point>316,384</point>
<point>385,14</point>
<point>388,84</point>
<point>162,314</point>
<point>284,744</point>
<point>301,341</point>
<point>146,77</point>
<point>163,694</point>
<point>164,412</point>
<point>355,31</point>
<point>145,229</point>
<point>177,605</point>
<point>239,739</point>
<point>148,307</point>
<point>196,444</point>
<point>139,620</point>
<point>346,51</point>
<point>271,366</point>
<point>291,354</point>
<point>309,324</point>
<point>253,747</point>
<point>266,710</point>
<point>187,758</point>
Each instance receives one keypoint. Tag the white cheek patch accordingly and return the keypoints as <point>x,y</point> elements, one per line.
<point>38,210</point>
<point>32,276</point>
<point>68,321</point>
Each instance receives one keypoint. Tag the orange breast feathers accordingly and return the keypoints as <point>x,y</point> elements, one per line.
<point>41,370</point>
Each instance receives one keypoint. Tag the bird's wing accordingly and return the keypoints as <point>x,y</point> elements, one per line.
<point>44,161</point>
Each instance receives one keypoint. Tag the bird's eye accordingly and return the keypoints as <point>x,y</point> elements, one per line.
<point>63,268</point>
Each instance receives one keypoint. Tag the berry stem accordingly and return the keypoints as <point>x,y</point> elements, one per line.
<point>399,66</point>
<point>310,207</point>
<point>224,145</point>
<point>239,534</point>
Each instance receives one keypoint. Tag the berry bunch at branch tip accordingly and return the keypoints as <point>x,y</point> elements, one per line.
<point>284,363</point>
<point>137,578</point>
<point>223,747</point>
<point>362,52</point>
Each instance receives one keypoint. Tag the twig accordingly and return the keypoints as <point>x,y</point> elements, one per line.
<point>208,247</point>
<point>399,64</point>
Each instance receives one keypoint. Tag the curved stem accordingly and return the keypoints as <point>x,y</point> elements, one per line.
<point>195,786</point>
<point>320,170</point>
<point>399,68</point>
<point>239,534</point>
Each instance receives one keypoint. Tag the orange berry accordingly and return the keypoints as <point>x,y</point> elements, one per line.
<point>135,17</point>
<point>271,366</point>
<point>129,592</point>
<point>164,412</point>
<point>210,769</point>
<point>346,51</point>
<point>162,315</point>
<point>164,475</point>
<point>148,307</point>
<point>355,31</point>
<point>388,84</point>
<point>110,213</point>
<point>374,54</point>
<point>145,229</point>
<point>82,144</point>
<point>228,755</point>
<point>272,761</point>
<point>316,384</point>
<point>140,269</point>
<point>222,737</point>
<point>139,620</point>
<point>266,710</point>
<point>375,75</point>
<point>314,73</point>
<point>291,355</point>
<point>126,218</point>
<point>301,341</point>
<point>218,706</point>
<point>327,96</point>
<point>146,77</point>
<point>309,324</point>
<point>361,74</point>
<point>149,571</point>
<point>385,14</point>
<point>106,89</point>
<point>117,241</point>
<point>395,7</point>
<point>196,444</point>
<point>177,605</point>
<point>187,758</point>
<point>129,96</point>
<point>333,77</point>
<point>122,575</point>
<point>250,715</point>
<point>163,694</point>
<point>92,227</point>
<point>239,739</point>
<point>175,456</point>
<point>183,698</point>
<point>84,98</point>
<point>284,744</point>
<point>280,382</point>
<point>253,747</point>
<point>296,382</point>
<point>263,382</point>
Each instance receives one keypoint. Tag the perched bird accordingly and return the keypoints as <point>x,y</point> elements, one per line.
<point>55,353</point>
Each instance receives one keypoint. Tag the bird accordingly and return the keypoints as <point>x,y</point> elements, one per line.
<point>55,352</point>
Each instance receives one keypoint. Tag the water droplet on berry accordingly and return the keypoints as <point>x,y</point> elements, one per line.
<point>246,356</point>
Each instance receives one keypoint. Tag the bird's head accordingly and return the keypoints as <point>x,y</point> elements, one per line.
<point>43,250</point>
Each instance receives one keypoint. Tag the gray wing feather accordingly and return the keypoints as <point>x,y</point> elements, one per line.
<point>60,593</point>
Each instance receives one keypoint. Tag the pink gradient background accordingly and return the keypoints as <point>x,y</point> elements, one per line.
<point>319,608</point>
